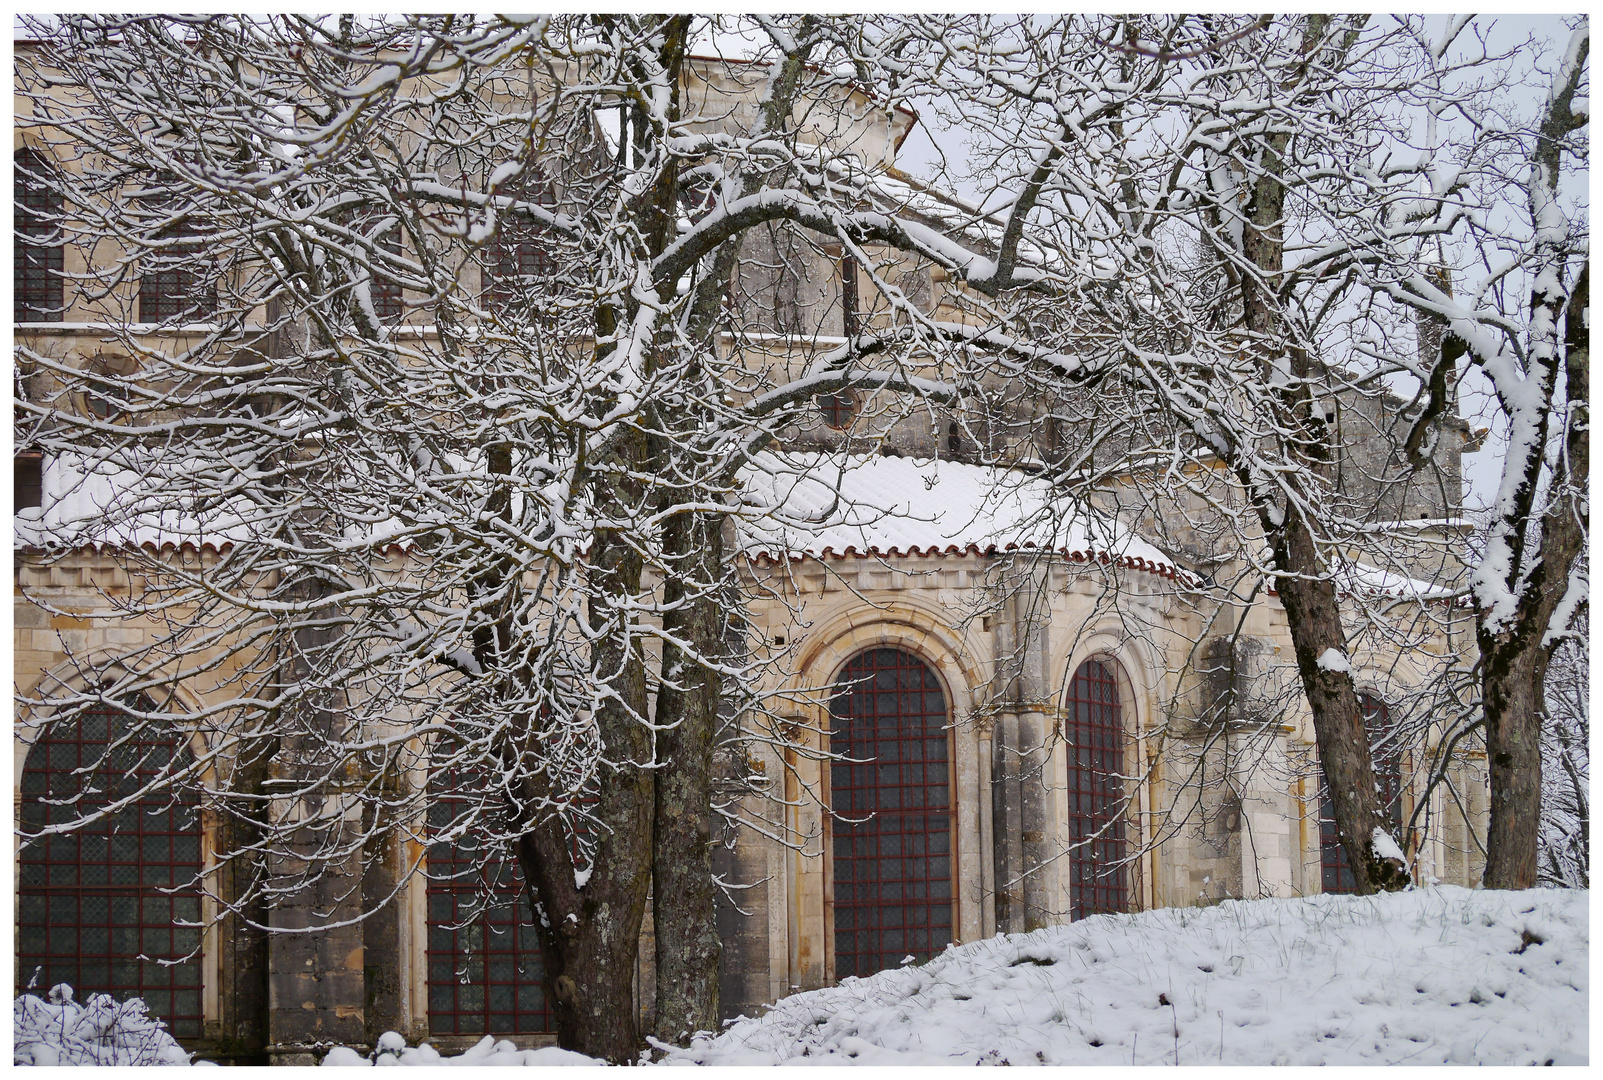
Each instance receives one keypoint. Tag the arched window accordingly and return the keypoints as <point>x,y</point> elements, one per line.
<point>891,793</point>
<point>36,251</point>
<point>837,408</point>
<point>1093,736</point>
<point>485,967</point>
<point>1335,873</point>
<point>98,907</point>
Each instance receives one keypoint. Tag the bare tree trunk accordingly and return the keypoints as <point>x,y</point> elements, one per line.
<point>1514,661</point>
<point>684,908</point>
<point>1511,688</point>
<point>1313,613</point>
<point>1313,616</point>
<point>245,1003</point>
<point>590,931</point>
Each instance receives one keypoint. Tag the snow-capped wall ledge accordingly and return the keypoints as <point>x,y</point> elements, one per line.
<point>834,506</point>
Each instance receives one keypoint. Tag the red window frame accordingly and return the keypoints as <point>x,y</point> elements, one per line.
<point>176,285</point>
<point>37,263</point>
<point>1335,872</point>
<point>837,409</point>
<point>384,292</point>
<point>521,252</point>
<point>891,795</point>
<point>91,902</point>
<point>1093,736</point>
<point>486,970</point>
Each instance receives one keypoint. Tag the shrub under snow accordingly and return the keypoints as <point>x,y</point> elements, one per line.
<point>59,1031</point>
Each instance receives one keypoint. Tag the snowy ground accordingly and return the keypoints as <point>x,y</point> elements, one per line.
<point>1433,976</point>
<point>1425,977</point>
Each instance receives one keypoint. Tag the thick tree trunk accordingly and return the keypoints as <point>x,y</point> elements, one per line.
<point>1511,689</point>
<point>1514,661</point>
<point>1314,619</point>
<point>1313,612</point>
<point>590,927</point>
<point>687,713</point>
<point>245,952</point>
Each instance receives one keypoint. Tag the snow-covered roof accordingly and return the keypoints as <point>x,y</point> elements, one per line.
<point>796,505</point>
<point>79,499</point>
<point>818,505</point>
<point>1363,579</point>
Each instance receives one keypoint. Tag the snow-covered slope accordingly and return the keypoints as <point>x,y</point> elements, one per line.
<point>1432,976</point>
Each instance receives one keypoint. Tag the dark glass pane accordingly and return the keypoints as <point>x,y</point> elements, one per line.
<point>1094,736</point>
<point>896,719</point>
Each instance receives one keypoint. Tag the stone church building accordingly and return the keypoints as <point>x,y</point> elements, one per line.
<point>1004,712</point>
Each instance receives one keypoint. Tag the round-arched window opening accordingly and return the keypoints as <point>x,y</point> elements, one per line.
<point>105,400</point>
<point>837,408</point>
<point>110,907</point>
<point>1093,736</point>
<point>890,791</point>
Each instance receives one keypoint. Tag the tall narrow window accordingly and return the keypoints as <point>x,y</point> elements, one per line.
<point>1093,736</point>
<point>383,291</point>
<point>36,250</point>
<point>97,908</point>
<point>1335,872</point>
<point>28,489</point>
<point>956,444</point>
<point>890,789</point>
<point>485,967</point>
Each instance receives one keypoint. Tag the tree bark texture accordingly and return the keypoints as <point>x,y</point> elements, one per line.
<point>590,933</point>
<point>1514,661</point>
<point>684,900</point>
<point>1313,616</point>
<point>1313,612</point>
